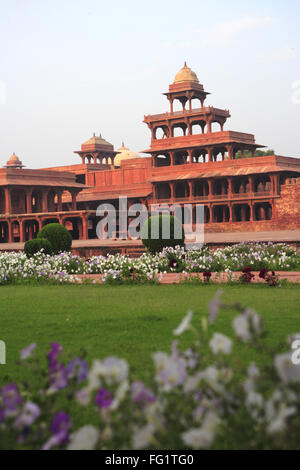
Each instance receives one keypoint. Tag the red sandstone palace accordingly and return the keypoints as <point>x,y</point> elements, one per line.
<point>193,160</point>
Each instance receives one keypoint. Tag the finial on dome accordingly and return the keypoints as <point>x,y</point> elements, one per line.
<point>185,64</point>
<point>94,134</point>
<point>123,143</point>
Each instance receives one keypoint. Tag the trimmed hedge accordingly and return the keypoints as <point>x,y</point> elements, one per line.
<point>37,244</point>
<point>157,222</point>
<point>59,237</point>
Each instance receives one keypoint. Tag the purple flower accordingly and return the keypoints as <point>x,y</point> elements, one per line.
<point>2,415</point>
<point>29,414</point>
<point>141,394</point>
<point>60,429</point>
<point>10,397</point>
<point>27,352</point>
<point>61,422</point>
<point>58,377</point>
<point>103,398</point>
<point>77,369</point>
<point>214,306</point>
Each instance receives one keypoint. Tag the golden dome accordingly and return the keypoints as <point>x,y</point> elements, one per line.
<point>14,161</point>
<point>186,75</point>
<point>124,154</point>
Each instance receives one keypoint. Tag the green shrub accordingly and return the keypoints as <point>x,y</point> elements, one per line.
<point>59,237</point>
<point>156,224</point>
<point>34,246</point>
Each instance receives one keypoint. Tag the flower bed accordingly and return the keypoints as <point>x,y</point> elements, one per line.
<point>65,267</point>
<point>199,398</point>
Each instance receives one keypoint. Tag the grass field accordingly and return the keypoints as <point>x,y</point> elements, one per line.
<point>130,321</point>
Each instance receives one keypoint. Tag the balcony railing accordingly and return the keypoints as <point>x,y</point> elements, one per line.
<point>218,197</point>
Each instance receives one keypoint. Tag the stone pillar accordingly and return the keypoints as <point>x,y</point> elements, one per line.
<point>190,157</point>
<point>172,158</point>
<point>210,155</point>
<point>85,229</point>
<point>9,232</point>
<point>230,152</point>
<point>22,230</point>
<point>8,209</point>
<point>59,200</point>
<point>172,191</point>
<point>44,201</point>
<point>209,187</point>
<point>230,213</point>
<point>74,203</point>
<point>190,183</point>
<point>29,201</point>
<point>251,212</point>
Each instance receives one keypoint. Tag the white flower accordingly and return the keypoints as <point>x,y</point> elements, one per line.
<point>142,437</point>
<point>241,328</point>
<point>287,371</point>
<point>278,424</point>
<point>220,344</point>
<point>203,437</point>
<point>85,438</point>
<point>184,325</point>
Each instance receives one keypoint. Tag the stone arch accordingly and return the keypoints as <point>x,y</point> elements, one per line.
<point>241,213</point>
<point>181,157</point>
<point>200,188</point>
<point>3,232</point>
<point>179,130</point>
<point>163,191</point>
<point>162,159</point>
<point>181,190</point>
<point>36,200</point>
<point>200,156</point>
<point>221,214</point>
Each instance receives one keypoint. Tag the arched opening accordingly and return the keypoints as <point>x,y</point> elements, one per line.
<point>52,201</point>
<point>241,185</point>
<point>200,156</point>
<point>161,132</point>
<point>163,191</point>
<point>220,187</point>
<point>262,184</point>
<point>15,231</point>
<point>179,104</point>
<point>200,188</point>
<point>162,160</point>
<point>182,190</point>
<point>18,203</point>
<point>179,130</point>
<point>36,201</point>
<point>198,127</point>
<point>263,211</point>
<point>220,154</point>
<point>241,213</point>
<point>221,214</point>
<point>74,225</point>
<point>50,221</point>
<point>216,126</point>
<point>181,158</point>
<point>31,229</point>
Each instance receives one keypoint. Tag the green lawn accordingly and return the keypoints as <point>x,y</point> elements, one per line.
<point>130,321</point>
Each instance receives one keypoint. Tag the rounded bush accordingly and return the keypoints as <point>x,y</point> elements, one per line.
<point>34,246</point>
<point>154,227</point>
<point>59,237</point>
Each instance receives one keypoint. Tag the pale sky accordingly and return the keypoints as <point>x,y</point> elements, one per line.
<point>69,68</point>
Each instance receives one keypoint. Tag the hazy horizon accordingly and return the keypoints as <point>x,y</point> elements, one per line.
<point>72,68</point>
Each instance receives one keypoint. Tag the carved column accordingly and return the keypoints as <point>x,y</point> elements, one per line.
<point>29,201</point>
<point>7,201</point>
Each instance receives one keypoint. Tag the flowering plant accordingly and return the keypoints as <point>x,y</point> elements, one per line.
<point>198,398</point>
